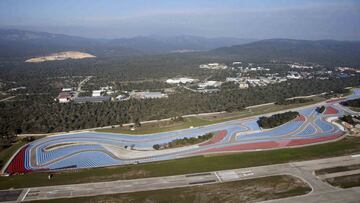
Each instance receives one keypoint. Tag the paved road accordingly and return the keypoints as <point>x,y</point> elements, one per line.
<point>81,84</point>
<point>7,98</point>
<point>304,170</point>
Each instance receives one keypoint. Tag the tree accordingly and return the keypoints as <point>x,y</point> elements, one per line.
<point>156,146</point>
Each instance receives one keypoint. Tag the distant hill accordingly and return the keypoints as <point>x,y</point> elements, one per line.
<point>321,51</point>
<point>182,43</point>
<point>20,43</point>
<point>29,44</point>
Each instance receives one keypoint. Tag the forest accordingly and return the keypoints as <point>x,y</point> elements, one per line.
<point>352,103</point>
<point>293,101</point>
<point>184,141</point>
<point>277,119</point>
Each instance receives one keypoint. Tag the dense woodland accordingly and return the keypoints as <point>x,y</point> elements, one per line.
<point>293,101</point>
<point>350,119</point>
<point>352,103</point>
<point>277,119</point>
<point>184,141</point>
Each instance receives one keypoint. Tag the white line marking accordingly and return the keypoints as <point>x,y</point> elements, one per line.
<point>27,191</point>
<point>356,155</point>
<point>217,176</point>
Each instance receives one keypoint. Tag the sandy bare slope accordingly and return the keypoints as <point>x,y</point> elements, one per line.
<point>60,56</point>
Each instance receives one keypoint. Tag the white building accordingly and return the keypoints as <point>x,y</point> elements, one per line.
<point>106,88</point>
<point>65,97</point>
<point>68,89</point>
<point>148,95</point>
<point>210,84</point>
<point>122,97</point>
<point>293,75</point>
<point>98,93</point>
<point>243,85</point>
<point>233,79</point>
<point>299,66</point>
<point>213,66</point>
<point>183,80</point>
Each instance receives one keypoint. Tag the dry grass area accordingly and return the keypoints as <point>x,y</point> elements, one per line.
<point>252,190</point>
<point>337,169</point>
<point>345,181</point>
<point>157,127</point>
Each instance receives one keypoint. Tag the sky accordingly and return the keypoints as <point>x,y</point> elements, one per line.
<point>254,19</point>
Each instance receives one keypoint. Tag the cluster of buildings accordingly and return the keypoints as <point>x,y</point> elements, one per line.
<point>300,66</point>
<point>108,90</point>
<point>210,83</point>
<point>349,69</point>
<point>249,69</point>
<point>66,95</point>
<point>293,75</point>
<point>69,95</point>
<point>243,68</point>
<point>246,82</point>
<point>243,80</point>
<point>213,66</point>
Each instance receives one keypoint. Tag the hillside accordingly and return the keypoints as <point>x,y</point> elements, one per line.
<point>322,51</point>
<point>20,43</point>
<point>182,43</point>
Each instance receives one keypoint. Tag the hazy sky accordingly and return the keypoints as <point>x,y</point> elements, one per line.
<point>321,19</point>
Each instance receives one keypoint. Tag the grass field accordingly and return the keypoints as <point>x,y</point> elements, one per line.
<point>347,145</point>
<point>161,126</point>
<point>259,189</point>
<point>165,126</point>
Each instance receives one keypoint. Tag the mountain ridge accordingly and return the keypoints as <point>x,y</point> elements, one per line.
<point>30,42</point>
<point>321,51</point>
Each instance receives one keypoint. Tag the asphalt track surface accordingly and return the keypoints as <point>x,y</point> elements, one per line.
<point>92,149</point>
<point>321,191</point>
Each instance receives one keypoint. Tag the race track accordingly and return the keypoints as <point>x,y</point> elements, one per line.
<point>93,149</point>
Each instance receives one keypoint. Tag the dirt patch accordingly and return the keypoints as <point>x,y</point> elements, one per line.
<point>337,169</point>
<point>60,56</point>
<point>135,174</point>
<point>345,181</point>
